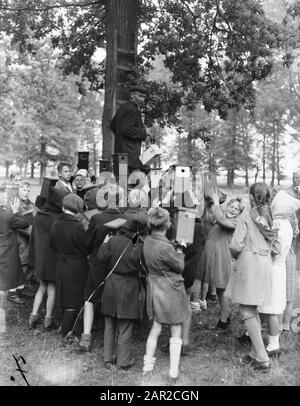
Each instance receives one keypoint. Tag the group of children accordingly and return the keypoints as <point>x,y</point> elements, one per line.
<point>124,259</point>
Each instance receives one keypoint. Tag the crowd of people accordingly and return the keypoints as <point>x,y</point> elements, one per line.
<point>122,260</point>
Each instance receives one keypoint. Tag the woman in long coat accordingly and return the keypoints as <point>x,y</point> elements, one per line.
<point>43,258</point>
<point>68,240</point>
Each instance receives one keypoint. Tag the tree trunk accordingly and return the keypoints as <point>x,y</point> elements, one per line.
<point>32,170</point>
<point>121,39</point>
<point>256,173</point>
<point>43,159</point>
<point>273,156</point>
<point>247,176</point>
<point>189,148</point>
<point>277,158</point>
<point>232,152</point>
<point>230,177</point>
<point>26,168</point>
<point>264,158</point>
<point>7,165</point>
<point>94,157</point>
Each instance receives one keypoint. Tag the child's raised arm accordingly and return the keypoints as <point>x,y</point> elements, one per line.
<point>238,239</point>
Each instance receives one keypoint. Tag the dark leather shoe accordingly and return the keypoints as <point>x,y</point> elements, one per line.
<point>108,365</point>
<point>186,350</point>
<point>125,367</point>
<point>262,366</point>
<point>244,339</point>
<point>247,360</point>
<point>25,293</point>
<point>165,348</point>
<point>222,325</point>
<point>15,298</point>
<point>274,353</point>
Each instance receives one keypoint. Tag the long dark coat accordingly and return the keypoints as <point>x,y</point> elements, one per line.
<point>193,254</point>
<point>69,243</point>
<point>41,255</point>
<point>24,234</point>
<point>11,273</point>
<point>96,234</point>
<point>129,132</point>
<point>121,294</point>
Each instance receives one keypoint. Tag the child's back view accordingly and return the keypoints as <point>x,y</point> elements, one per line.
<point>169,301</point>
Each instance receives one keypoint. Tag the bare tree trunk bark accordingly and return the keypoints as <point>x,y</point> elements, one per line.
<point>43,160</point>
<point>121,40</point>
<point>7,165</point>
<point>32,170</point>
<point>264,158</point>
<point>273,157</point>
<point>277,158</point>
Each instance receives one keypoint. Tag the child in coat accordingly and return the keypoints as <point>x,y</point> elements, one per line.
<point>216,260</point>
<point>169,302</point>
<point>250,283</point>
<point>96,234</point>
<point>11,273</point>
<point>43,257</point>
<point>68,240</point>
<point>122,255</point>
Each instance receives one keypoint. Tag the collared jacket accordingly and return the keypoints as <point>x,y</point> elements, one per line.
<point>129,131</point>
<point>11,273</point>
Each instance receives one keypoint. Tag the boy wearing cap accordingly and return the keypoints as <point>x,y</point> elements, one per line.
<point>69,243</point>
<point>129,129</point>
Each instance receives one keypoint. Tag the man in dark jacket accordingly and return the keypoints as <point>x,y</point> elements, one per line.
<point>129,129</point>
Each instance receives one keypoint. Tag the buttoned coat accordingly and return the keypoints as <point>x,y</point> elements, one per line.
<point>68,240</point>
<point>129,131</point>
<point>11,273</point>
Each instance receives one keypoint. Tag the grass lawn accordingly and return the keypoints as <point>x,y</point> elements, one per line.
<point>213,361</point>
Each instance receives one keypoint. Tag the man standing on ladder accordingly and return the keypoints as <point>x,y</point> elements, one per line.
<point>129,129</point>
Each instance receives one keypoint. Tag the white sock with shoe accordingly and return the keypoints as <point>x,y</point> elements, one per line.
<point>148,363</point>
<point>273,343</point>
<point>175,350</point>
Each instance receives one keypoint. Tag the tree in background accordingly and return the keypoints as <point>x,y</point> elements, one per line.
<point>45,105</point>
<point>215,49</point>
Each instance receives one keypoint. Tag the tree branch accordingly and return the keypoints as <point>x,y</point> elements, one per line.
<point>66,5</point>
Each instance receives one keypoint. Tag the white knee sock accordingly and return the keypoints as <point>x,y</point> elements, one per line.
<point>273,343</point>
<point>175,350</point>
<point>148,363</point>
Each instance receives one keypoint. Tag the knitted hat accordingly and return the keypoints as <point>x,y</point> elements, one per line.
<point>90,197</point>
<point>82,172</point>
<point>73,203</point>
<point>136,223</point>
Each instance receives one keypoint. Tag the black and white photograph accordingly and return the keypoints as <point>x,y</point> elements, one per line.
<point>149,196</point>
